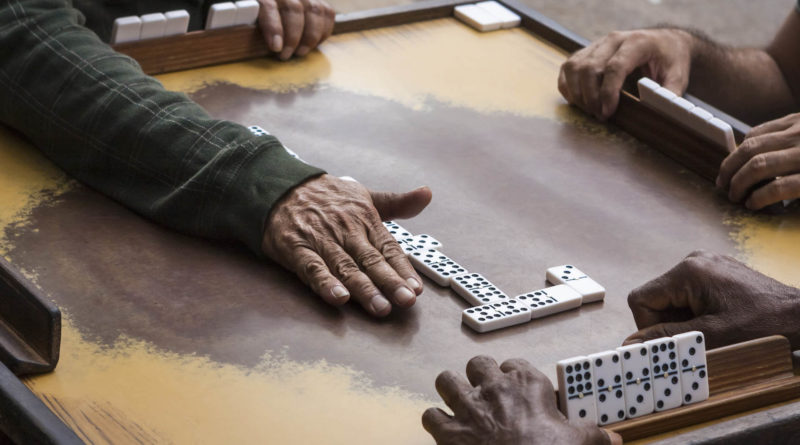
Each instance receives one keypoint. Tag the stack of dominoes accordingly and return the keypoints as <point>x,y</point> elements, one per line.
<point>487,16</point>
<point>152,26</point>
<point>634,380</point>
<point>688,114</point>
<point>492,308</point>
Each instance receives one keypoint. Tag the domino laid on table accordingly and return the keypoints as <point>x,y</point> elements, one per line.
<point>550,300</point>
<point>476,290</point>
<point>571,276</point>
<point>497,315</point>
<point>436,266</point>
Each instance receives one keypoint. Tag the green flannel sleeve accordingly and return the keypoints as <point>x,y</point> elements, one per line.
<point>96,115</point>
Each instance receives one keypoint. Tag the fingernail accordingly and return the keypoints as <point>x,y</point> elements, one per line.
<point>339,292</point>
<point>302,51</point>
<point>414,284</point>
<point>379,304</point>
<point>286,53</point>
<point>403,296</point>
<point>277,43</point>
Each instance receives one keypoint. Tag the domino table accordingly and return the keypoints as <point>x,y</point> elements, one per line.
<point>171,339</point>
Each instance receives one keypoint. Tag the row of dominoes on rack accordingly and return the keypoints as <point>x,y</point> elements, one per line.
<point>153,26</point>
<point>686,113</point>
<point>492,308</point>
<point>487,16</point>
<point>634,380</point>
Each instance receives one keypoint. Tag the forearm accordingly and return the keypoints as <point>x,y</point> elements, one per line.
<point>95,114</point>
<point>746,83</point>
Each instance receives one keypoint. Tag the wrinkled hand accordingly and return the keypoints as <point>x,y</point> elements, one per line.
<point>329,232</point>
<point>715,294</point>
<point>513,404</point>
<point>295,26</point>
<point>592,77</point>
<point>771,150</point>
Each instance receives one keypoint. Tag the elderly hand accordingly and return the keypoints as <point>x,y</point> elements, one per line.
<point>592,77</point>
<point>765,169</point>
<point>513,404</point>
<point>329,232</point>
<point>295,26</point>
<point>715,294</point>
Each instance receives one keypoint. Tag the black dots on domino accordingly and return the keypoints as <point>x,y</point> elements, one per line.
<point>604,418</point>
<point>582,413</point>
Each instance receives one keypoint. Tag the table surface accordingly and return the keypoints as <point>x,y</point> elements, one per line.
<point>168,338</point>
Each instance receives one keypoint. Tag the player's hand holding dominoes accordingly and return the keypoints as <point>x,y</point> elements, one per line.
<point>295,27</point>
<point>715,294</point>
<point>592,78</point>
<point>511,404</point>
<point>329,232</point>
<point>765,169</point>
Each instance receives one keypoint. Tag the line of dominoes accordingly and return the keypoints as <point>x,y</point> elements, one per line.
<point>153,26</point>
<point>492,308</point>
<point>634,380</point>
<point>686,113</point>
<point>487,16</point>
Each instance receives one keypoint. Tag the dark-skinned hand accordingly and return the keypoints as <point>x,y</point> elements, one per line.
<point>295,27</point>
<point>765,169</point>
<point>718,295</point>
<point>329,232</point>
<point>511,404</point>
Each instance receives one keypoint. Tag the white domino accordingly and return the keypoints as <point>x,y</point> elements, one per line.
<point>576,391</point>
<point>551,300</point>
<point>508,18</point>
<point>424,241</point>
<point>721,132</point>
<point>698,120</point>
<point>246,12</point>
<point>258,131</point>
<point>637,377</point>
<point>477,18</point>
<point>692,365</point>
<point>177,22</point>
<point>609,388</point>
<point>570,275</point>
<point>126,29</point>
<point>681,110</point>
<point>476,289</point>
<point>647,89</point>
<point>666,376</point>
<point>153,26</point>
<point>436,266</point>
<point>221,15</point>
<point>498,315</point>
<point>397,231</point>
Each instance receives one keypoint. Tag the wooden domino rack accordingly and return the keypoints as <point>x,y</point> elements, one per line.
<point>742,377</point>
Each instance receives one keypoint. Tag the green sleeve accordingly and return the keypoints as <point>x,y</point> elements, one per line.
<point>95,114</point>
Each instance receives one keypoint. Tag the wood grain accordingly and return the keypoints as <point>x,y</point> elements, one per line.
<point>736,385</point>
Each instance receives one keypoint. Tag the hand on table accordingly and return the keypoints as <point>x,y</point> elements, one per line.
<point>329,232</point>
<point>715,294</point>
<point>513,404</point>
<point>592,77</point>
<point>295,26</point>
<point>771,150</point>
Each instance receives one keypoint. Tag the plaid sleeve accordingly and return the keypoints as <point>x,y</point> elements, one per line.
<point>95,114</point>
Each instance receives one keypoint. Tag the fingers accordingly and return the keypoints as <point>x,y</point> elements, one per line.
<point>481,369</point>
<point>773,126</point>
<point>269,21</point>
<point>750,148</point>
<point>436,422</point>
<point>313,271</point>
<point>704,324</point>
<point>783,188</point>
<point>613,438</point>
<point>398,261</point>
<point>318,23</point>
<point>453,390</point>
<point>293,21</point>
<point>401,205</point>
<point>628,57</point>
<point>764,167</point>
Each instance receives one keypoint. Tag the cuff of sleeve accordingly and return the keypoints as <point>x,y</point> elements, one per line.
<point>259,185</point>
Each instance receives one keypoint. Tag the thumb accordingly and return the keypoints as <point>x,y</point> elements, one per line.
<point>401,205</point>
<point>704,324</point>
